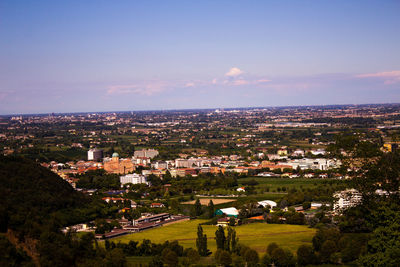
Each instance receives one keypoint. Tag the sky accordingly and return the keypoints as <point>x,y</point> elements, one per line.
<point>88,56</point>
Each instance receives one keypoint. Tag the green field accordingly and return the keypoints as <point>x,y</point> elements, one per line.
<point>272,184</point>
<point>283,181</point>
<point>256,235</point>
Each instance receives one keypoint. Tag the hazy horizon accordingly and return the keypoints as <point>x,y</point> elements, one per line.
<point>195,109</point>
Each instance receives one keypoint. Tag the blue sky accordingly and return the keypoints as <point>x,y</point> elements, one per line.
<point>73,56</point>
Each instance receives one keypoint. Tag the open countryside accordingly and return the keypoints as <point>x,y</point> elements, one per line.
<point>255,235</point>
<point>205,201</point>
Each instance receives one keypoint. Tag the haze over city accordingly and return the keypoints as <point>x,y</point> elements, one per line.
<point>78,56</point>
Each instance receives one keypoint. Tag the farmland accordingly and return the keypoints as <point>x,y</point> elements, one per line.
<point>284,184</point>
<point>256,236</point>
<point>205,201</point>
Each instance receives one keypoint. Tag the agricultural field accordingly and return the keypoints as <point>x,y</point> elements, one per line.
<point>205,201</point>
<point>256,235</point>
<point>272,184</point>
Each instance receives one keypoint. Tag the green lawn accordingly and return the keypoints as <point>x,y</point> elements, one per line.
<point>257,235</point>
<point>272,184</point>
<point>283,181</point>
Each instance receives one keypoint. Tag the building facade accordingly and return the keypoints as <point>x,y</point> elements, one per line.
<point>118,166</point>
<point>133,178</point>
<point>95,154</point>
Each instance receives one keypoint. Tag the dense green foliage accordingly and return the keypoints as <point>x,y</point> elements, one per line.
<point>32,197</point>
<point>10,256</point>
<point>36,203</point>
<point>98,179</point>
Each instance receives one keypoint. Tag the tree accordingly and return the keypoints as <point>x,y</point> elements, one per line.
<point>223,257</point>
<point>381,212</point>
<point>251,257</point>
<point>305,255</point>
<point>201,242</point>
<point>234,239</point>
<point>197,208</point>
<point>306,205</point>
<point>237,261</point>
<point>327,249</point>
<point>192,255</point>
<point>211,209</point>
<point>220,238</point>
<point>350,247</point>
<point>271,247</point>
<point>384,247</point>
<point>281,257</point>
<point>156,261</point>
<point>115,257</point>
<point>266,260</point>
<point>323,235</point>
<point>169,257</point>
<point>167,177</point>
<point>227,245</point>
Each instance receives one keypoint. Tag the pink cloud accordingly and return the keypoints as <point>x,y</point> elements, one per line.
<point>190,84</point>
<point>4,94</point>
<point>147,88</point>
<point>389,77</point>
<point>233,72</point>
<point>240,82</point>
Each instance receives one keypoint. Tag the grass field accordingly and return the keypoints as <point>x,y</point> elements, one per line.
<point>272,184</point>
<point>256,235</point>
<point>206,201</point>
<point>283,181</point>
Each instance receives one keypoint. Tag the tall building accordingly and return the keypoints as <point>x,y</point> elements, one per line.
<point>133,179</point>
<point>95,154</point>
<point>148,153</point>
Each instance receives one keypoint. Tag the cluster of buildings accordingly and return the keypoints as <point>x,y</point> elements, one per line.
<point>185,166</point>
<point>146,221</point>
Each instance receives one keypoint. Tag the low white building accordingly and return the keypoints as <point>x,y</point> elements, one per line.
<point>160,165</point>
<point>133,178</point>
<point>266,203</point>
<point>314,164</point>
<point>230,212</point>
<point>346,199</point>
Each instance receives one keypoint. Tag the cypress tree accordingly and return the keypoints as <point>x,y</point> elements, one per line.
<point>211,209</point>
<point>220,238</point>
<point>197,208</point>
<point>201,242</point>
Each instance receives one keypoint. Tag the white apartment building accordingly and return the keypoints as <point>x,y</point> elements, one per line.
<point>147,153</point>
<point>133,178</point>
<point>188,163</point>
<point>346,199</point>
<point>314,164</point>
<point>95,154</point>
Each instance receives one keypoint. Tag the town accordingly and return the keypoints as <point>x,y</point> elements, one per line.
<point>217,168</point>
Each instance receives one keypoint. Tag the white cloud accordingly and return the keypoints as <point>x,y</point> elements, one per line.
<point>233,72</point>
<point>263,81</point>
<point>389,77</point>
<point>190,84</point>
<point>147,88</point>
<point>240,82</point>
